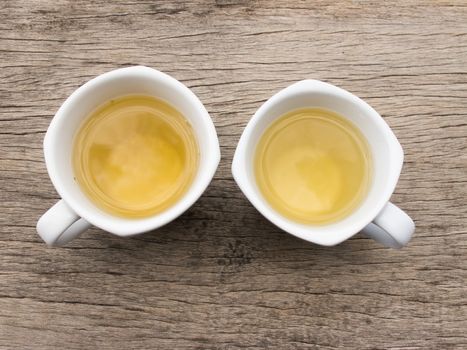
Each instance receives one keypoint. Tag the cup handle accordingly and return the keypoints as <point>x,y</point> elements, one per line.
<point>392,227</point>
<point>60,224</point>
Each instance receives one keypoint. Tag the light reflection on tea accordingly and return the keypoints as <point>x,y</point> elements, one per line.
<point>135,156</point>
<point>313,166</point>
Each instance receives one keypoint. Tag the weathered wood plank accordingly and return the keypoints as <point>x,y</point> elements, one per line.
<point>221,276</point>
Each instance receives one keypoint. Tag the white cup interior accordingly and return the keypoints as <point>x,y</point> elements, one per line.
<point>58,143</point>
<point>385,150</point>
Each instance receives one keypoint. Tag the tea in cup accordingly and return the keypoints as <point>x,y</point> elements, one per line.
<point>321,164</point>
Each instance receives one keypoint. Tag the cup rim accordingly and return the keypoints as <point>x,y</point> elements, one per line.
<point>314,233</point>
<point>108,222</point>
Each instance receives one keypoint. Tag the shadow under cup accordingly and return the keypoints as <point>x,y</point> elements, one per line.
<point>59,141</point>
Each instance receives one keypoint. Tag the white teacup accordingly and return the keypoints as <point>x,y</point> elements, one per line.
<point>75,213</point>
<point>376,216</point>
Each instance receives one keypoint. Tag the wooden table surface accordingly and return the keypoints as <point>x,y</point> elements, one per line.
<point>221,276</point>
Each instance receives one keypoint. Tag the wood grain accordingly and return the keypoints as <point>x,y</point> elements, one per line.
<point>221,276</point>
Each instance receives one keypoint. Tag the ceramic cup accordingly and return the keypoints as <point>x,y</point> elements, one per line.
<point>75,213</point>
<point>376,216</point>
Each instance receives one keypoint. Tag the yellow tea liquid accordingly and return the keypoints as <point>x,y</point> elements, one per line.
<point>313,166</point>
<point>135,156</point>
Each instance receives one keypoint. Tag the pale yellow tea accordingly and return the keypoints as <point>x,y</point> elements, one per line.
<point>135,156</point>
<point>313,166</point>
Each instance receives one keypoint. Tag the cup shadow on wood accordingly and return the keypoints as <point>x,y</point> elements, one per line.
<point>221,233</point>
